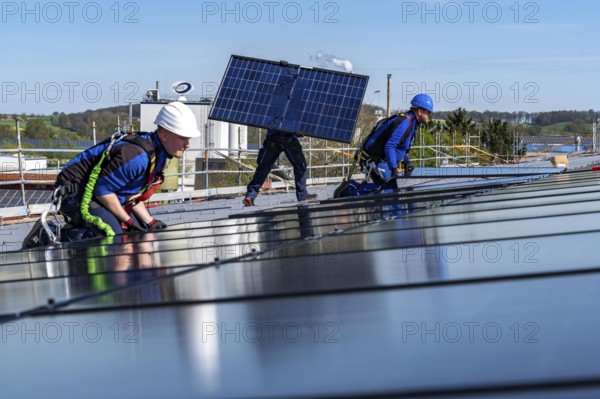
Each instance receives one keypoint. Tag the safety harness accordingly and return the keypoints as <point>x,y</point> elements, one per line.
<point>152,184</point>
<point>369,158</point>
<point>52,228</point>
<point>377,148</point>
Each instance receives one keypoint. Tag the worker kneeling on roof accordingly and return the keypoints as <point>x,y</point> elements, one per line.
<point>390,140</point>
<point>119,176</point>
<point>104,187</point>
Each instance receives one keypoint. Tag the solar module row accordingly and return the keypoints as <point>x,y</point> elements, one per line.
<point>478,297</point>
<point>14,198</point>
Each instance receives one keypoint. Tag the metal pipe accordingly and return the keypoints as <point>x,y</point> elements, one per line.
<point>421,150</point>
<point>594,129</point>
<point>206,145</point>
<point>206,168</point>
<point>20,157</point>
<point>343,160</point>
<point>183,172</point>
<point>596,136</point>
<point>239,154</point>
<point>327,152</point>
<point>309,157</point>
<point>131,116</point>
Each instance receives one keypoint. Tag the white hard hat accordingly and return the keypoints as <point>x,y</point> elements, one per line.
<point>178,118</point>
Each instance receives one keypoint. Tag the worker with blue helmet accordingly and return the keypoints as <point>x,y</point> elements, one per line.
<point>423,101</point>
<point>391,139</point>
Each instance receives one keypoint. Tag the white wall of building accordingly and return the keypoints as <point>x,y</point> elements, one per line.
<point>10,163</point>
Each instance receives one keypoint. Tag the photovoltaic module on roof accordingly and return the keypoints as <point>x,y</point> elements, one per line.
<point>291,98</point>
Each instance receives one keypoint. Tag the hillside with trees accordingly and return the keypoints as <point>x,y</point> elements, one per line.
<point>61,126</point>
<point>106,120</point>
<point>495,130</point>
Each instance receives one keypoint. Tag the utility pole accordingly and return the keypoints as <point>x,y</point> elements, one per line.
<point>389,94</point>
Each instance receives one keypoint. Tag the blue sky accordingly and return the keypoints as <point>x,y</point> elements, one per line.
<point>480,55</point>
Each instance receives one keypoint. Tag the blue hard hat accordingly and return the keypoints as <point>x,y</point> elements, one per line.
<point>423,101</point>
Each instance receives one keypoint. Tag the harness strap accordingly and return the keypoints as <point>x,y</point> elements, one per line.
<point>376,148</point>
<point>152,184</point>
<point>146,194</point>
<point>149,148</point>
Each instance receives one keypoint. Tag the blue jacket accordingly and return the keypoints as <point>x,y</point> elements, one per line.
<point>124,174</point>
<point>400,141</point>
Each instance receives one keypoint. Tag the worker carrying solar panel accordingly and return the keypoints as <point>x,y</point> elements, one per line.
<point>101,192</point>
<point>275,143</point>
<point>387,148</point>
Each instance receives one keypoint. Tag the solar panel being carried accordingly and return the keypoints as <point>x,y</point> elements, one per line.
<point>291,98</point>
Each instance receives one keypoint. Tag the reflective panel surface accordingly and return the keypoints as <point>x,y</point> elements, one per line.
<point>456,289</point>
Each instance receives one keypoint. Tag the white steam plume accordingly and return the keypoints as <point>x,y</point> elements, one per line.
<point>326,60</point>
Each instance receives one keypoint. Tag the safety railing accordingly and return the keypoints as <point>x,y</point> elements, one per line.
<point>323,164</point>
<point>240,163</point>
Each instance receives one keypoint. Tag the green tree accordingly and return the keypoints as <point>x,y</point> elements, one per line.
<point>37,129</point>
<point>6,132</point>
<point>497,138</point>
<point>60,120</point>
<point>459,123</point>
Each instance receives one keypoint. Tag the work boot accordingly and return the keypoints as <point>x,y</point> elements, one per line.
<point>247,201</point>
<point>311,197</point>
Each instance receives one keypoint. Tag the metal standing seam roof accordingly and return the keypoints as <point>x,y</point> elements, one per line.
<point>476,287</point>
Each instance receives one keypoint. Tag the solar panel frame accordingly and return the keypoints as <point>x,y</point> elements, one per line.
<point>292,98</point>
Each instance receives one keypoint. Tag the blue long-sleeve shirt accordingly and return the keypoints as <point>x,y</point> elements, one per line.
<point>400,141</point>
<point>126,173</point>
